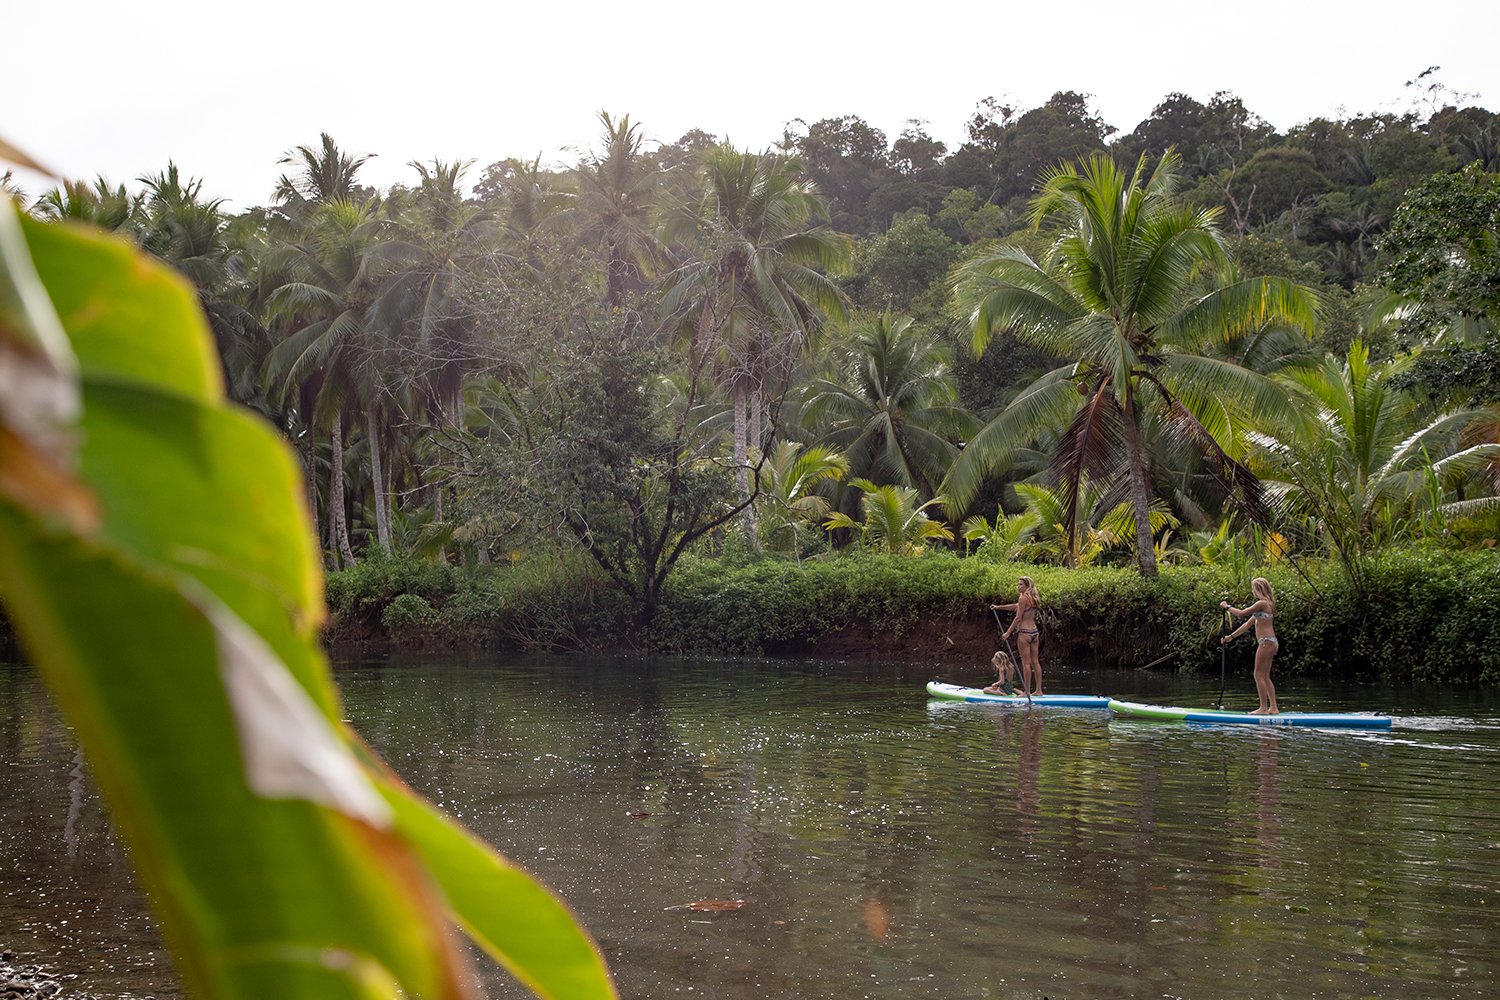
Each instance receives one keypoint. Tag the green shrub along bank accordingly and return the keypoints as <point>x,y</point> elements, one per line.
<point>1420,615</point>
<point>1100,615</point>
<point>551,604</point>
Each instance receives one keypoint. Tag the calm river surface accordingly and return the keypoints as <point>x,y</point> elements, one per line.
<point>883,845</point>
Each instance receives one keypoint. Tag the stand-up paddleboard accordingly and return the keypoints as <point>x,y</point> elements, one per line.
<point>1322,720</point>
<point>954,692</point>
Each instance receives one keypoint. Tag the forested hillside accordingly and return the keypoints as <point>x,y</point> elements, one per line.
<point>1199,341</point>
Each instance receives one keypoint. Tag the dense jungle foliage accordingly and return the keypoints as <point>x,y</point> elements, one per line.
<point>575,400</point>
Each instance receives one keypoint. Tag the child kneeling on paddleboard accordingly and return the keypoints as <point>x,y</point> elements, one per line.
<point>1005,668</point>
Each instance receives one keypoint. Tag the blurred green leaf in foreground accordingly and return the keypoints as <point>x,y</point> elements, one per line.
<point>157,560</point>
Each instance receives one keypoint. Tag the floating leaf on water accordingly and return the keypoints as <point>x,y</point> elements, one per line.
<point>638,815</point>
<point>711,905</point>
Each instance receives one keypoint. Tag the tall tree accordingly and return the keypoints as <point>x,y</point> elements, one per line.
<point>752,277</point>
<point>320,207</point>
<point>326,174</point>
<point>1114,292</point>
<point>336,270</point>
<point>847,159</point>
<point>421,329</point>
<point>192,233</point>
<point>616,195</point>
<point>1007,150</point>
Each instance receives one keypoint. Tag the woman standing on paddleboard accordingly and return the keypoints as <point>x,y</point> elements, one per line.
<point>1260,614</point>
<point>1029,640</point>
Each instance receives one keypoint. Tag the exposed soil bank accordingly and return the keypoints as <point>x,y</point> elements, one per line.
<point>1416,615</point>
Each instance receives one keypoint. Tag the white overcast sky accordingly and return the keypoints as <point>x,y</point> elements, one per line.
<point>120,88</point>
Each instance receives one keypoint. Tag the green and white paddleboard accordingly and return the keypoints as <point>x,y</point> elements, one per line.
<point>1341,720</point>
<point>954,692</point>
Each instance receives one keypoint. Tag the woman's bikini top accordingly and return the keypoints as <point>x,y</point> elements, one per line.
<point>1261,614</point>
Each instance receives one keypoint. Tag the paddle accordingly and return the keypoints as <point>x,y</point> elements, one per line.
<point>1014,660</point>
<point>1223,648</point>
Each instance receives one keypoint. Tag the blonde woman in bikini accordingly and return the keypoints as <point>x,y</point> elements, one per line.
<point>1028,639</point>
<point>1260,615</point>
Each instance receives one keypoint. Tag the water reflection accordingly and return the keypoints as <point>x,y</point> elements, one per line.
<point>1267,803</point>
<point>887,847</point>
<point>1019,745</point>
<point>75,803</point>
<point>66,895</point>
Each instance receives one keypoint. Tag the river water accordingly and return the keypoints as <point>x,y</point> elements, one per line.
<point>881,845</point>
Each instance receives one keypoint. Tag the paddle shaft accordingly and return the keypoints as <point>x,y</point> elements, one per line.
<point>1014,660</point>
<point>1223,649</point>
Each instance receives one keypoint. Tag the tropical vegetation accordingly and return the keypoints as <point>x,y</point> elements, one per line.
<point>1202,343</point>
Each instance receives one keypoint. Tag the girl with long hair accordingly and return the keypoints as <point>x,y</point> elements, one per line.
<point>1260,615</point>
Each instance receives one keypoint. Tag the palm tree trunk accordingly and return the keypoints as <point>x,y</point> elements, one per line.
<point>742,463</point>
<point>382,529</point>
<point>614,296</point>
<point>437,517</point>
<point>333,520</point>
<point>390,493</point>
<point>1140,489</point>
<point>755,418</point>
<point>338,525</point>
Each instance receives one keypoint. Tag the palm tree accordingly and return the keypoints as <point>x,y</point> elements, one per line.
<point>751,278</point>
<point>1115,292</point>
<point>616,195</point>
<point>793,477</point>
<point>532,199</point>
<point>336,272</point>
<point>1057,541</point>
<point>893,520</point>
<point>1357,456</point>
<point>420,329</point>
<point>1481,144</point>
<point>8,186</point>
<point>1104,526</point>
<point>193,234</point>
<point>419,308</point>
<point>327,175</point>
<point>101,205</point>
<point>319,208</point>
<point>892,409</point>
<point>1007,540</point>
